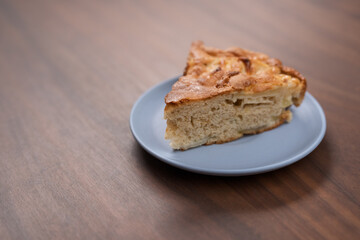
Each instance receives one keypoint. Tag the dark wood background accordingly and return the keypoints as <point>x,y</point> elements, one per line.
<point>70,168</point>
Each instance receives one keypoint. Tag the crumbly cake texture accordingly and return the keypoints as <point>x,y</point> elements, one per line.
<point>224,94</point>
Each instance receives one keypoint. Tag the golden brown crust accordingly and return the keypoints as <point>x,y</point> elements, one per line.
<point>210,72</point>
<point>292,72</point>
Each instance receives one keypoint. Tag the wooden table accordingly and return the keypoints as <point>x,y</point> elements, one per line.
<point>70,72</point>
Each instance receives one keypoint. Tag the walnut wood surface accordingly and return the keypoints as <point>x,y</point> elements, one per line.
<point>70,72</point>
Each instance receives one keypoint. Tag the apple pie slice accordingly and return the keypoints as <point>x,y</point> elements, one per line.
<point>225,94</point>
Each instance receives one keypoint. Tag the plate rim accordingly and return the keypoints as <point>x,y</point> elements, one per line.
<point>228,172</point>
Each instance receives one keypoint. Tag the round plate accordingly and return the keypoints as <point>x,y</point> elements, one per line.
<point>251,154</point>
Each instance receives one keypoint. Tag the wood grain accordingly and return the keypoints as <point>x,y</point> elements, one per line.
<point>70,72</point>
